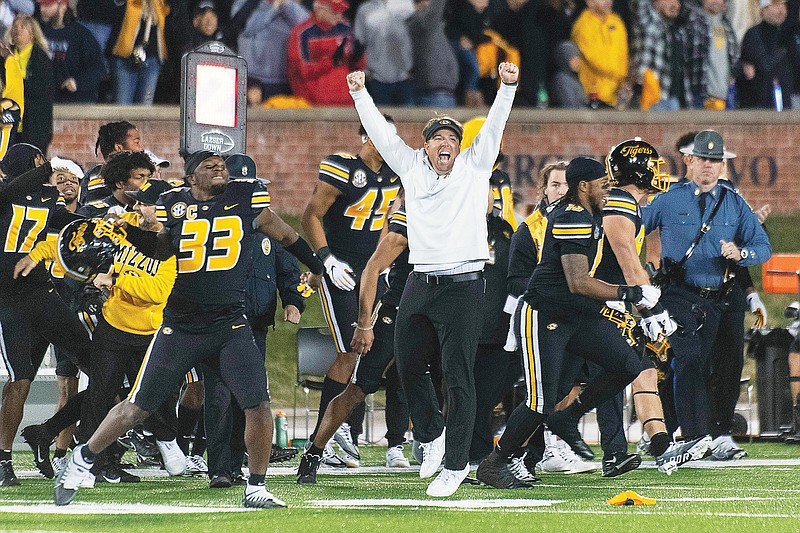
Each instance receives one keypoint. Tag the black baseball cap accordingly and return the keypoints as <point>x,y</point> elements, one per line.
<point>150,191</point>
<point>443,123</point>
<point>241,166</point>
<point>193,161</point>
<point>19,159</point>
<point>584,169</point>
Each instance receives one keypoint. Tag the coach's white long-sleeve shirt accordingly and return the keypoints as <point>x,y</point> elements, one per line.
<point>446,214</point>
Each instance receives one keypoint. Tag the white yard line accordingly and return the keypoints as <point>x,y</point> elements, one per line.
<point>114,508</point>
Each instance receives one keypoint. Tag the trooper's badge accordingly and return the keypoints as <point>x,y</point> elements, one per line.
<point>387,320</point>
<point>360,178</point>
<point>166,331</point>
<point>551,326</point>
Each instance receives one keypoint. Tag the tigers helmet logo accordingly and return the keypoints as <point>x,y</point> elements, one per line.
<point>266,246</point>
<point>78,241</point>
<point>387,320</point>
<point>360,178</point>
<point>178,210</point>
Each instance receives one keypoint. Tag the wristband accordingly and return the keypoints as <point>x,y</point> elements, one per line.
<point>355,325</point>
<point>629,293</point>
<point>324,253</point>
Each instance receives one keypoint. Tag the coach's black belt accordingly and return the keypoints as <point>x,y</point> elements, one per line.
<point>439,279</point>
<point>705,292</point>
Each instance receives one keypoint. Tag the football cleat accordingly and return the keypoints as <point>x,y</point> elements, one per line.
<point>724,449</point>
<point>395,457</point>
<point>620,463</point>
<point>113,473</point>
<point>344,439</point>
<point>58,464</point>
<point>39,440</point>
<point>257,497</point>
<point>195,465</point>
<point>307,471</point>
<point>519,469</point>
<point>330,458</point>
<point>7,476</point>
<point>71,477</point>
<point>494,471</point>
<point>566,427</point>
<point>173,457</point>
<point>683,452</point>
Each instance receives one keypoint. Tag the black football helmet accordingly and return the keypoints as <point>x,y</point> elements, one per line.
<point>87,247</point>
<point>637,162</point>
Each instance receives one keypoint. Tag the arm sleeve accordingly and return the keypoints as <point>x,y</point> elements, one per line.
<point>44,251</point>
<point>154,290</point>
<point>394,151</point>
<point>522,259</point>
<point>288,278</point>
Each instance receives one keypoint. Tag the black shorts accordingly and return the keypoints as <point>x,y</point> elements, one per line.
<point>340,309</point>
<point>28,324</point>
<point>549,345</point>
<point>230,350</point>
<point>371,366</point>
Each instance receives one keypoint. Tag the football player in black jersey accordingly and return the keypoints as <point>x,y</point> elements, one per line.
<point>112,137</point>
<point>124,172</point>
<point>562,313</point>
<point>209,226</point>
<point>373,341</point>
<point>31,313</point>
<point>343,221</point>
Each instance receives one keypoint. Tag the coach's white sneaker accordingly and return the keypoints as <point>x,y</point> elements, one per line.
<point>174,459</point>
<point>257,497</point>
<point>432,455</point>
<point>395,457</point>
<point>71,477</point>
<point>447,482</point>
<point>196,465</point>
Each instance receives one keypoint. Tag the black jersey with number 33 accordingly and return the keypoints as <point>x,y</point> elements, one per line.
<point>213,243</point>
<point>353,223</point>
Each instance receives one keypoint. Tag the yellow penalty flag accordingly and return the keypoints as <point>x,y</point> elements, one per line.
<point>629,497</point>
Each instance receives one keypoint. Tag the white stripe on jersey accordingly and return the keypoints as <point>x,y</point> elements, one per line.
<point>4,353</point>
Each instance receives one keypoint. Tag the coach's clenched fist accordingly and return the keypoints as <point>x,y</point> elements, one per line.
<point>356,80</point>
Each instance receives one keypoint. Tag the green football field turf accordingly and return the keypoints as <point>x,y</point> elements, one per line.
<point>760,497</point>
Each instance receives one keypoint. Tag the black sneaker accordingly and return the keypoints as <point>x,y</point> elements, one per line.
<point>113,473</point>
<point>7,476</point>
<point>279,455</point>
<point>566,427</point>
<point>307,471</point>
<point>620,463</point>
<point>494,471</point>
<point>39,440</point>
<point>239,480</point>
<point>221,480</point>
<point>141,445</point>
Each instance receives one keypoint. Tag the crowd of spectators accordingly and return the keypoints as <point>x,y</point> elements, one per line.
<point>623,54</point>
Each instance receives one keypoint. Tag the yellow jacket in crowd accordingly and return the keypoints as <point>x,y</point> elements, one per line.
<point>603,44</point>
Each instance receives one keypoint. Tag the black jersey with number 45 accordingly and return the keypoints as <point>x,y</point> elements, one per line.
<point>570,230</point>
<point>213,244</point>
<point>353,223</point>
<point>23,223</point>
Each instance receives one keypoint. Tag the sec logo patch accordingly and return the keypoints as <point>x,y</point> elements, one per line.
<point>360,179</point>
<point>167,331</point>
<point>552,326</point>
<point>387,320</point>
<point>178,210</point>
<point>266,246</point>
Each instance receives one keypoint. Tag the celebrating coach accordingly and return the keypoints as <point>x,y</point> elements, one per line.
<point>447,194</point>
<point>706,227</point>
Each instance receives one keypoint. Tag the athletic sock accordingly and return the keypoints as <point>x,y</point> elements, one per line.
<point>59,453</point>
<point>66,416</point>
<point>87,454</point>
<point>313,450</point>
<point>187,422</point>
<point>5,455</point>
<point>330,390</point>
<point>199,443</point>
<point>659,443</point>
<point>256,479</point>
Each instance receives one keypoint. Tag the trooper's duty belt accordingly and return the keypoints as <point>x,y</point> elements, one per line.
<point>440,279</point>
<point>705,292</point>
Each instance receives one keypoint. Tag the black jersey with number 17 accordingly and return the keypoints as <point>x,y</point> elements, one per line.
<point>213,244</point>
<point>353,223</point>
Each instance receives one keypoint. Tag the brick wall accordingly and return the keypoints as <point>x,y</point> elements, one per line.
<point>288,144</point>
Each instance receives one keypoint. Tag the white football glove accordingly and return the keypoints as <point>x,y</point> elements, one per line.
<point>758,308</point>
<point>668,326</point>
<point>340,273</point>
<point>651,327</point>
<point>650,296</point>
